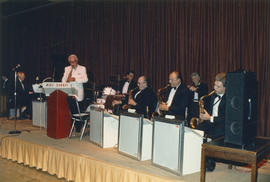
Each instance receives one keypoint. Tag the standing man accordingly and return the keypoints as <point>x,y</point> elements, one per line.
<point>177,97</point>
<point>143,99</point>
<point>76,75</point>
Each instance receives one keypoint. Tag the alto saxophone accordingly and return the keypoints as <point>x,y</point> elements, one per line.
<point>160,92</point>
<point>127,106</point>
<point>194,122</point>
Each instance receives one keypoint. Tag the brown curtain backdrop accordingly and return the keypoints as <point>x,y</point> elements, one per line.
<point>149,37</point>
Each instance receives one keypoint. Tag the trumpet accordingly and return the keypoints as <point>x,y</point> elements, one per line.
<point>127,106</point>
<point>194,122</point>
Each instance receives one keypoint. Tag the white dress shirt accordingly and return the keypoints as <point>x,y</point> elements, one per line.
<point>215,107</point>
<point>171,96</point>
<point>125,88</point>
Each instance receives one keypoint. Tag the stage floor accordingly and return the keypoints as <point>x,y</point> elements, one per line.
<point>118,167</point>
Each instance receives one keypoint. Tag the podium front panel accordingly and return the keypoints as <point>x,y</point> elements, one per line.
<point>167,144</point>
<point>110,131</point>
<point>191,153</point>
<point>59,119</point>
<point>39,114</point>
<point>129,139</point>
<point>96,126</point>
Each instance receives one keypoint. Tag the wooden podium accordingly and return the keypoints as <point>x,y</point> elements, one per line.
<point>58,116</point>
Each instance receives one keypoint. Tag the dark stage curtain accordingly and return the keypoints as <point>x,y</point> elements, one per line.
<point>149,37</point>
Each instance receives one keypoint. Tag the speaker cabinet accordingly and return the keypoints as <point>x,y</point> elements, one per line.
<point>241,107</point>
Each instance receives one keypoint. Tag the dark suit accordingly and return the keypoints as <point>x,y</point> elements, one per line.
<point>202,90</point>
<point>146,98</point>
<point>193,108</point>
<point>131,85</point>
<point>217,128</point>
<point>22,98</point>
<point>179,102</point>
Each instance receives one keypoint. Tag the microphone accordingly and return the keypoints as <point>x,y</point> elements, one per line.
<point>37,79</point>
<point>16,67</point>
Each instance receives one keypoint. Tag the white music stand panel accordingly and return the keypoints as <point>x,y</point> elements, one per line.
<point>129,136</point>
<point>39,114</point>
<point>166,145</point>
<point>110,131</point>
<point>193,140</point>
<point>96,126</point>
<point>147,134</point>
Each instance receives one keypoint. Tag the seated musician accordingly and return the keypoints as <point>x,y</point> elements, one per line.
<point>142,99</point>
<point>213,120</point>
<point>23,96</point>
<point>128,83</point>
<point>197,90</point>
<point>177,97</point>
<point>126,86</point>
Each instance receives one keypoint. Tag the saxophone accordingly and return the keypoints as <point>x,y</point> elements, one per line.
<point>160,93</point>
<point>127,106</point>
<point>194,122</point>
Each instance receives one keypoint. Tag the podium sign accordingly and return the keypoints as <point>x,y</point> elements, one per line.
<point>58,122</point>
<point>50,87</point>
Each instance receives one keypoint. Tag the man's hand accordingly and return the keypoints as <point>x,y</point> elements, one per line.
<point>192,88</point>
<point>205,115</point>
<point>132,102</point>
<point>163,107</point>
<point>71,79</point>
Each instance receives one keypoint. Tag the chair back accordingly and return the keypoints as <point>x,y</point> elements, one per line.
<point>73,105</point>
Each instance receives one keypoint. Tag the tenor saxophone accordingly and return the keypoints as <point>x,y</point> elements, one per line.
<point>194,122</point>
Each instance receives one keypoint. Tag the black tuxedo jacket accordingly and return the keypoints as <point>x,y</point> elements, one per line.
<point>217,128</point>
<point>22,94</point>
<point>180,101</point>
<point>131,85</point>
<point>202,90</point>
<point>146,98</point>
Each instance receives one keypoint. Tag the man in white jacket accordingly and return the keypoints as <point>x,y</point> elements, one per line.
<point>76,75</point>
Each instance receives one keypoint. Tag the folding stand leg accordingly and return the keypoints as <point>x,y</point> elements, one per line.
<point>85,122</point>
<point>72,128</point>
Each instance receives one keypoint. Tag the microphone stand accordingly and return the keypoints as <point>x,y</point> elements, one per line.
<point>15,104</point>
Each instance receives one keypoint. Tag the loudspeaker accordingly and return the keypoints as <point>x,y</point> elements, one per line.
<point>241,107</point>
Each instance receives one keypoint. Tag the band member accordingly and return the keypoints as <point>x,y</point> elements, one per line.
<point>23,96</point>
<point>177,97</point>
<point>75,74</point>
<point>197,90</point>
<point>213,118</point>
<point>128,83</point>
<point>143,99</point>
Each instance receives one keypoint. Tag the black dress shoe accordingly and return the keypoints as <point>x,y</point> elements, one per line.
<point>210,165</point>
